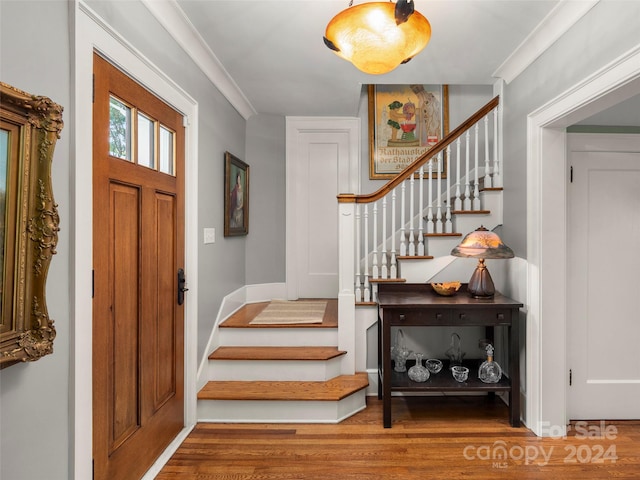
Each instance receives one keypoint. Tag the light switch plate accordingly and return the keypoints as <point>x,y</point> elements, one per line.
<point>209,235</point>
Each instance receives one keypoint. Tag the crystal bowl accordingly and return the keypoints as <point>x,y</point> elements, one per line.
<point>434,365</point>
<point>446,289</point>
<point>460,373</point>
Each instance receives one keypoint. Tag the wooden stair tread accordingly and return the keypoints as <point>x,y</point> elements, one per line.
<point>242,318</point>
<point>331,390</point>
<point>414,257</point>
<point>387,280</point>
<point>442,234</point>
<point>471,212</point>
<point>275,353</point>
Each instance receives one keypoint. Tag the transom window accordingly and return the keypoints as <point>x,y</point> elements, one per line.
<point>137,137</point>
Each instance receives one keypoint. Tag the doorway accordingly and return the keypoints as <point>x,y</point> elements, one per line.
<point>322,161</point>
<point>547,171</point>
<point>603,237</point>
<point>138,248</point>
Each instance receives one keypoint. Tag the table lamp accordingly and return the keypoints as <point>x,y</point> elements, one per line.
<point>481,244</point>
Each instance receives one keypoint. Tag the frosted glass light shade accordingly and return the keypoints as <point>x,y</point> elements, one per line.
<point>367,35</point>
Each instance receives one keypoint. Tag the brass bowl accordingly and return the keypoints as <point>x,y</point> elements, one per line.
<point>446,289</point>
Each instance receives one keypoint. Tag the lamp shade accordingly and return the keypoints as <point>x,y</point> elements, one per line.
<point>371,37</point>
<point>482,243</point>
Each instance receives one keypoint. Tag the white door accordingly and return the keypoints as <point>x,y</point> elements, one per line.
<point>603,328</point>
<point>322,161</point>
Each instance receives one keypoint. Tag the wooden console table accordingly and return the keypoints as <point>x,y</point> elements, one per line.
<point>410,305</point>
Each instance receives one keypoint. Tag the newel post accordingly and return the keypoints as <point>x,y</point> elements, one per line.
<point>346,276</point>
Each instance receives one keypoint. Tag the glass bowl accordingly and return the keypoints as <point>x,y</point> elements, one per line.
<point>460,373</point>
<point>434,365</point>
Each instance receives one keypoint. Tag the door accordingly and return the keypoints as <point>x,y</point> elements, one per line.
<point>138,247</point>
<point>322,161</point>
<point>603,264</point>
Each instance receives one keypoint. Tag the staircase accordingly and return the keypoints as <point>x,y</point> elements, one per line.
<point>261,373</point>
<point>401,233</point>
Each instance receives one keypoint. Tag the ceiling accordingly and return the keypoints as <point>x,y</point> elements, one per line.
<point>274,53</point>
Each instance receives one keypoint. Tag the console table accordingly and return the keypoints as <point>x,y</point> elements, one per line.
<point>411,305</point>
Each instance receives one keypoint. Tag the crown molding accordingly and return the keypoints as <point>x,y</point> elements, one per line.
<point>558,21</point>
<point>176,23</point>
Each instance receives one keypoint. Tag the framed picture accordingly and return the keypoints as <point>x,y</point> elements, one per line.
<point>236,196</point>
<point>30,125</point>
<point>404,122</point>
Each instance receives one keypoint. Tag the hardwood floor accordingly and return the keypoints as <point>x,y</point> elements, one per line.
<point>431,438</point>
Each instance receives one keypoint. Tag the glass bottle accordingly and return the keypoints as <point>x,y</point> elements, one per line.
<point>399,353</point>
<point>490,371</point>
<point>418,373</point>
<point>454,352</point>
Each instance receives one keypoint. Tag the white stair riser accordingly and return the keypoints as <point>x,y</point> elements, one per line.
<point>279,337</point>
<point>272,411</point>
<point>274,370</point>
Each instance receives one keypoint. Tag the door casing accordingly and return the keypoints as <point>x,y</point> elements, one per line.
<point>92,34</point>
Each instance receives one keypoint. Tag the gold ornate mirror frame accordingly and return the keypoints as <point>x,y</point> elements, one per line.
<point>29,128</point>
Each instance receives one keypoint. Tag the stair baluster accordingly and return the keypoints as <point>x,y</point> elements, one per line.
<point>393,269</point>
<point>367,285</point>
<point>358,287</point>
<point>412,245</point>
<point>466,204</point>
<point>487,159</point>
<point>384,269</point>
<point>375,273</point>
<point>476,181</point>
<point>439,225</point>
<point>448,226</point>
<point>429,217</point>
<point>457,203</point>
<point>403,236</point>
<point>420,204</point>
<point>497,172</point>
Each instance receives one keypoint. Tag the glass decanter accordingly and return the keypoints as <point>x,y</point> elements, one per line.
<point>418,373</point>
<point>399,353</point>
<point>490,371</point>
<point>454,353</point>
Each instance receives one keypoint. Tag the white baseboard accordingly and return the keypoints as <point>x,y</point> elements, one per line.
<point>230,304</point>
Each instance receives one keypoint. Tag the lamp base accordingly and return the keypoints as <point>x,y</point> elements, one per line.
<point>480,283</point>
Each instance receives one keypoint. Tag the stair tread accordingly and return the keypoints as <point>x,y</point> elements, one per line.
<point>471,212</point>
<point>331,390</point>
<point>242,318</point>
<point>442,234</point>
<point>275,353</point>
<point>415,257</point>
<point>387,280</point>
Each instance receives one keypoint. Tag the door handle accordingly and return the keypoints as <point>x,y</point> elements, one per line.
<point>181,288</point>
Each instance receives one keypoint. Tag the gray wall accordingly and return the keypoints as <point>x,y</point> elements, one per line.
<point>34,398</point>
<point>35,56</point>
<point>603,34</point>
<point>265,147</point>
<point>222,265</point>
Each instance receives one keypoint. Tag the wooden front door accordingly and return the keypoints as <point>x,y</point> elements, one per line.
<point>138,247</point>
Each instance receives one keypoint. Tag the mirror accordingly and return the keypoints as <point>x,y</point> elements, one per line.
<point>29,128</point>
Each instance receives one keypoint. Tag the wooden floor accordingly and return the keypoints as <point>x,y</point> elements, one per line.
<point>431,438</point>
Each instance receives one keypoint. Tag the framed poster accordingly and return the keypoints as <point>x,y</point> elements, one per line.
<point>236,196</point>
<point>404,122</point>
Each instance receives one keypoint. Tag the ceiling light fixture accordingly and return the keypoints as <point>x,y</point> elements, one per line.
<point>378,36</point>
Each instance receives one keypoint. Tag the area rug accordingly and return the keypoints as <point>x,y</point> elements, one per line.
<point>285,312</point>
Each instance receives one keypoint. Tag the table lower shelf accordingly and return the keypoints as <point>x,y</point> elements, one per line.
<point>444,381</point>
